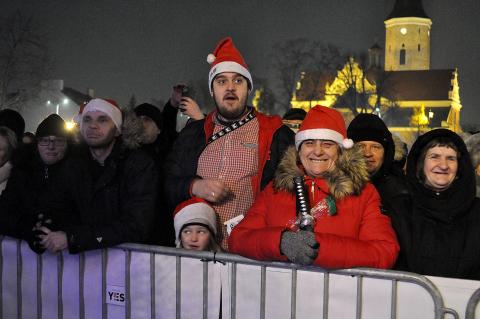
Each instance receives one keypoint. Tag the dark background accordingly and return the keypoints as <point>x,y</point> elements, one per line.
<point>143,47</point>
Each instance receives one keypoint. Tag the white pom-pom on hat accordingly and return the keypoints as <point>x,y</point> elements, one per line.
<point>211,58</point>
<point>347,143</point>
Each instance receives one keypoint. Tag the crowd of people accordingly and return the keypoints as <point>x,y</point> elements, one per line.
<point>240,181</point>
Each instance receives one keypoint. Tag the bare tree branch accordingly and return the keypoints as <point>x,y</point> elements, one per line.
<point>24,59</point>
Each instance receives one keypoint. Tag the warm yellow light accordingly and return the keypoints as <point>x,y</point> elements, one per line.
<point>403,31</point>
<point>69,125</point>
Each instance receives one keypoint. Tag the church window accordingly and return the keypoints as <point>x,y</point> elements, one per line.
<point>419,47</point>
<point>403,54</point>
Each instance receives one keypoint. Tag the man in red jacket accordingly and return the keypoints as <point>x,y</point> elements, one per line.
<point>231,155</point>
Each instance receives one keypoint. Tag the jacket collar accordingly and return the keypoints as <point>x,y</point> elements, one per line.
<point>347,178</point>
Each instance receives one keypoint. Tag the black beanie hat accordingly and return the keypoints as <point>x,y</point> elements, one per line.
<point>14,121</point>
<point>53,125</point>
<point>295,114</point>
<point>152,112</point>
<point>369,127</point>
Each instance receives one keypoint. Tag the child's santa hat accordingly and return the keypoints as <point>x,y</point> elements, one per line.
<point>227,58</point>
<point>323,123</point>
<point>195,211</point>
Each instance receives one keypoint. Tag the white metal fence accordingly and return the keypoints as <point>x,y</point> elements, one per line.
<point>140,281</point>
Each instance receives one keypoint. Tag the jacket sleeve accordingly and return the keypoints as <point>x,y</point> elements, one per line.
<point>136,210</point>
<point>181,164</point>
<point>282,139</point>
<point>253,237</point>
<point>375,246</point>
<point>169,118</point>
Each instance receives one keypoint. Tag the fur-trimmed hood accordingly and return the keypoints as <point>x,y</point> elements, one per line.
<point>132,130</point>
<point>347,178</point>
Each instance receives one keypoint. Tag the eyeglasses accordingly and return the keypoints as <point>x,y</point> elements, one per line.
<point>56,141</point>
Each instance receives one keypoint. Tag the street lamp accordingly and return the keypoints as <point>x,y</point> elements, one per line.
<point>65,102</point>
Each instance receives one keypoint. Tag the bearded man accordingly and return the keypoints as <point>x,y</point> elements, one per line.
<point>231,155</point>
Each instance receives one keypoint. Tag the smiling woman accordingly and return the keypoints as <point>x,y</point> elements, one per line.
<point>437,227</point>
<point>348,229</point>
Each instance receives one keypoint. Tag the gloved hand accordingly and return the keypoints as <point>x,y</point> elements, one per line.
<point>33,238</point>
<point>299,247</point>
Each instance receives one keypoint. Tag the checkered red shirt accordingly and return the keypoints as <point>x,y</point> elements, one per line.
<point>233,159</point>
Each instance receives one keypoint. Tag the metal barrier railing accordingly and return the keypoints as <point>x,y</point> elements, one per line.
<point>151,255</point>
<point>472,305</point>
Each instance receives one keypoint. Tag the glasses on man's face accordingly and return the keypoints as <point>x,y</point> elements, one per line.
<point>56,141</point>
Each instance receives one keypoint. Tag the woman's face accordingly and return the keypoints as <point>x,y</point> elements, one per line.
<point>195,237</point>
<point>440,167</point>
<point>318,156</point>
<point>52,149</point>
<point>4,153</point>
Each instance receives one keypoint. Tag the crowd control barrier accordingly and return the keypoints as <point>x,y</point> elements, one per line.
<point>141,281</point>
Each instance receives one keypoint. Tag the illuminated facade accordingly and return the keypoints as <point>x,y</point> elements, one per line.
<point>405,92</point>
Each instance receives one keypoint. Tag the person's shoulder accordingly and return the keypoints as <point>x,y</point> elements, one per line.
<point>269,120</point>
<point>138,155</point>
<point>193,128</point>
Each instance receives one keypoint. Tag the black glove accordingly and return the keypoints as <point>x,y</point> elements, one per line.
<point>33,236</point>
<point>34,241</point>
<point>299,247</point>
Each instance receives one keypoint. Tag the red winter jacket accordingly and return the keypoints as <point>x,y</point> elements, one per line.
<point>359,235</point>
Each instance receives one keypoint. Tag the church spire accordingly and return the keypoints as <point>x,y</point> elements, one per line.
<point>408,8</point>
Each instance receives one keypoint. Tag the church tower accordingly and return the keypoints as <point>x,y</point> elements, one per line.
<point>407,39</point>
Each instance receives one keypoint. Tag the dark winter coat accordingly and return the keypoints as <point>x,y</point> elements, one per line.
<point>104,206</point>
<point>181,165</point>
<point>164,233</point>
<point>25,197</point>
<point>439,231</point>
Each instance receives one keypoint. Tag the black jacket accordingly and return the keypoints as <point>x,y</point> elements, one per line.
<point>28,188</point>
<point>101,207</point>
<point>164,234</point>
<point>439,232</point>
<point>181,164</point>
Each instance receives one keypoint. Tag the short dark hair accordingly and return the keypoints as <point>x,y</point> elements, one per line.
<point>444,141</point>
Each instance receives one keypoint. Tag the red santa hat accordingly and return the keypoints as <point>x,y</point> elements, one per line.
<point>227,58</point>
<point>194,211</point>
<point>323,123</point>
<point>107,106</point>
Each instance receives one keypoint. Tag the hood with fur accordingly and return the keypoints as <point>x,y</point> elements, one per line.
<point>347,178</point>
<point>132,130</point>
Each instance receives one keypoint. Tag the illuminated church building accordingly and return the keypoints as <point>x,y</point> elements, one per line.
<point>409,96</point>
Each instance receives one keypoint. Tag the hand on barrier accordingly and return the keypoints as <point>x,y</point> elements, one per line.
<point>33,236</point>
<point>53,241</point>
<point>300,247</point>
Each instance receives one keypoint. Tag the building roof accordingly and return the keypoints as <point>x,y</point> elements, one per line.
<point>418,85</point>
<point>76,96</point>
<point>408,8</point>
<point>421,85</point>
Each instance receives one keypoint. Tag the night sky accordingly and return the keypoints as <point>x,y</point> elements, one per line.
<point>143,47</point>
